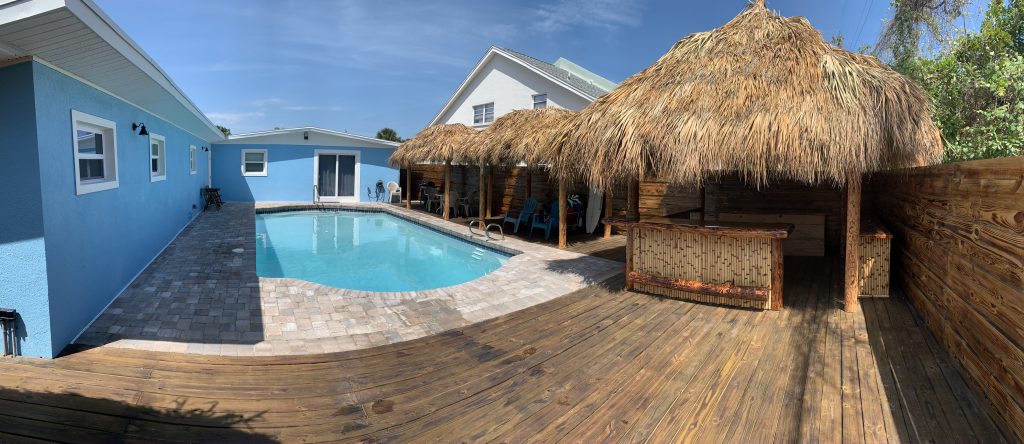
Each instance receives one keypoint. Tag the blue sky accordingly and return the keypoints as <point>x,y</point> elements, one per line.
<point>359,65</point>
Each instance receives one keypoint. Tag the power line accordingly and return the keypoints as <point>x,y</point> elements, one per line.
<point>863,22</point>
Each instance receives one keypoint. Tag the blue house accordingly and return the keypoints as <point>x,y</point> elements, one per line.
<point>103,161</point>
<point>289,165</point>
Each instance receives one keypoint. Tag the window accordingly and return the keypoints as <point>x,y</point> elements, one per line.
<point>483,113</point>
<point>157,158</point>
<point>254,162</point>
<point>191,159</point>
<point>540,101</point>
<point>95,149</point>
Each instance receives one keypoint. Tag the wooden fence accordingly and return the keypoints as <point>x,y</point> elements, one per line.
<point>959,256</point>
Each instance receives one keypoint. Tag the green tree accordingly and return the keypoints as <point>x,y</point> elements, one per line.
<point>388,134</point>
<point>977,86</point>
<point>226,131</point>
<point>914,23</point>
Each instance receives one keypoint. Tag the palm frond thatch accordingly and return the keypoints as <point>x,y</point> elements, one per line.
<point>764,96</point>
<point>521,136</point>
<point>438,143</point>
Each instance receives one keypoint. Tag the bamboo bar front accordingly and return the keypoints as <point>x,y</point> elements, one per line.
<point>729,264</point>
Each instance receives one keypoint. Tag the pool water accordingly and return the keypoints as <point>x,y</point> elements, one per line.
<point>366,251</point>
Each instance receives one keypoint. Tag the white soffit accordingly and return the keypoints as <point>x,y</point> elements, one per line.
<point>76,37</point>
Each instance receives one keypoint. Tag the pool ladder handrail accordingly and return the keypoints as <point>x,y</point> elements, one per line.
<point>487,230</point>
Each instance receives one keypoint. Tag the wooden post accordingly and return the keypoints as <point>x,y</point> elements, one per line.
<point>703,201</point>
<point>633,200</point>
<point>447,189</point>
<point>852,264</point>
<point>483,198</point>
<point>630,232</point>
<point>408,187</point>
<point>529,181</point>
<point>607,211</point>
<point>778,260</point>
<point>563,208</point>
<point>490,188</point>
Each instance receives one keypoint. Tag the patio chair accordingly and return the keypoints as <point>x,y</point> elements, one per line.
<point>468,203</point>
<point>430,197</point>
<point>394,191</point>
<point>369,193</point>
<point>522,216</point>
<point>546,224</point>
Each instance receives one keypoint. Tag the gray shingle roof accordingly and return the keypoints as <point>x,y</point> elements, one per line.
<point>559,73</point>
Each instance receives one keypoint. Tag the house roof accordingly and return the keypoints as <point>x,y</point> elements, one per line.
<point>76,38</point>
<point>589,89</point>
<point>296,136</point>
<point>584,85</point>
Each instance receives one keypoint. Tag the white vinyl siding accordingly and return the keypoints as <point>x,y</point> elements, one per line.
<point>254,162</point>
<point>94,144</point>
<point>157,158</point>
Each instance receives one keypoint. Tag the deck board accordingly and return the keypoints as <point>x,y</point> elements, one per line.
<point>597,365</point>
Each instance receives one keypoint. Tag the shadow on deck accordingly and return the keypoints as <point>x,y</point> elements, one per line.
<point>600,364</point>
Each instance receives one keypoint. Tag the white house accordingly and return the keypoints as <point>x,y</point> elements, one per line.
<point>505,80</point>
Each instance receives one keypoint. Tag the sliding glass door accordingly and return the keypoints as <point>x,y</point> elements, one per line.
<point>337,176</point>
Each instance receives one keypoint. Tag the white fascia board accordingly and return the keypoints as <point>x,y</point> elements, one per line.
<point>14,10</point>
<point>479,67</point>
<point>93,17</point>
<point>255,136</point>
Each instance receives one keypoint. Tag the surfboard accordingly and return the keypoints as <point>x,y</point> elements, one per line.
<point>594,204</point>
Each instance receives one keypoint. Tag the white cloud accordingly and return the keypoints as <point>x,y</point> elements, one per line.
<point>229,118</point>
<point>310,108</point>
<point>610,14</point>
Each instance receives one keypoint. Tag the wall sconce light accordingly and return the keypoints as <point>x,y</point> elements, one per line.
<point>141,128</point>
<point>206,148</point>
<point>305,135</point>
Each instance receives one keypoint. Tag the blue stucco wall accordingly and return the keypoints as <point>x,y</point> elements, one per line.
<point>97,243</point>
<point>290,172</point>
<point>23,284</point>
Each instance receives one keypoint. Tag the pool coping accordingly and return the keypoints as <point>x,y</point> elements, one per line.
<point>299,317</point>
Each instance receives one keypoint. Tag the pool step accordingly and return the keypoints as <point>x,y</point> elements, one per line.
<point>478,253</point>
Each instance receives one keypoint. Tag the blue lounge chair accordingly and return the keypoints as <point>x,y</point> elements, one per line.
<point>546,224</point>
<point>522,216</point>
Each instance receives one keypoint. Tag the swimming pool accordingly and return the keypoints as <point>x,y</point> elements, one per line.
<point>366,251</point>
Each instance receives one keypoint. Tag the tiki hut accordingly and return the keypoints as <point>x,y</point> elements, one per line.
<point>438,144</point>
<point>764,98</point>
<point>523,137</point>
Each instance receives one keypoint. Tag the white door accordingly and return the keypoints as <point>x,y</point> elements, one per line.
<point>336,176</point>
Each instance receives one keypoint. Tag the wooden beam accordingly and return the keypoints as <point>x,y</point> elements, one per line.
<point>447,189</point>
<point>630,232</point>
<point>529,181</point>
<point>408,188</point>
<point>703,202</point>
<point>563,208</point>
<point>778,260</point>
<point>730,290</point>
<point>607,212</point>
<point>633,200</point>
<point>490,189</point>
<point>852,265</point>
<point>483,198</point>
<point>732,229</point>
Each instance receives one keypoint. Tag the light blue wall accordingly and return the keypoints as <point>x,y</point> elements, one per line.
<point>22,247</point>
<point>97,243</point>
<point>290,172</point>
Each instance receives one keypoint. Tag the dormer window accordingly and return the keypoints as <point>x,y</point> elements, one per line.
<point>540,101</point>
<point>483,113</point>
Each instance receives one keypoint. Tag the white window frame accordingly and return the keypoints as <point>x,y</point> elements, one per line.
<point>357,180</point>
<point>87,122</point>
<point>266,162</point>
<point>483,116</point>
<point>161,157</point>
<point>193,165</point>
<point>544,102</point>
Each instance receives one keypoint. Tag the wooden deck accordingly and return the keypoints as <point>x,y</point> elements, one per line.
<point>597,365</point>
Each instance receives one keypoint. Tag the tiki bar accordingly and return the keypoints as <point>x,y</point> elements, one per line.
<point>767,130</point>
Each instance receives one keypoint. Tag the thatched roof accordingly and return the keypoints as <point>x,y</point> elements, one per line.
<point>521,136</point>
<point>437,143</point>
<point>764,96</point>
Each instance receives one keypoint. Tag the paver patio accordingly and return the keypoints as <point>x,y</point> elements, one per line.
<point>203,295</point>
